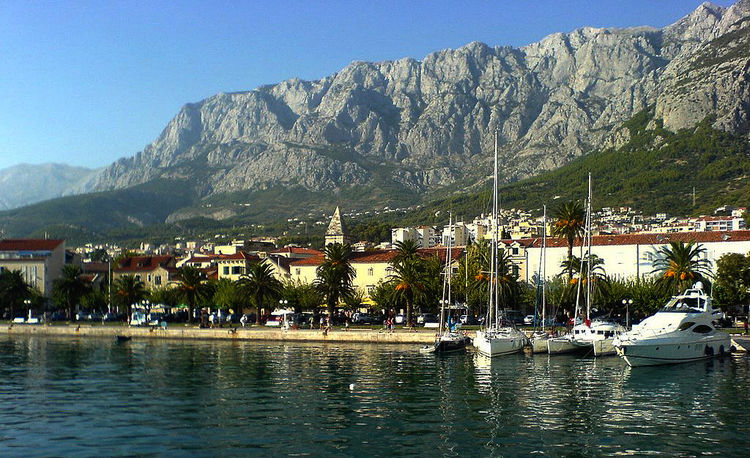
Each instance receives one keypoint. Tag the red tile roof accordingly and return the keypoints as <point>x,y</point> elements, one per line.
<point>146,263</point>
<point>649,238</point>
<point>29,244</point>
<point>296,250</point>
<point>313,261</point>
<point>239,256</point>
<point>384,256</point>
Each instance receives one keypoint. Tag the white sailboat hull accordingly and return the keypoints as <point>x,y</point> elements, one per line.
<point>539,344</point>
<point>604,347</point>
<point>497,343</point>
<point>561,345</point>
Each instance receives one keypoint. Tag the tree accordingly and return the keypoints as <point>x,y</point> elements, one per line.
<point>13,289</point>
<point>130,290</point>
<point>406,250</point>
<point>100,255</point>
<point>335,275</point>
<point>191,287</point>
<point>680,265</point>
<point>732,281</point>
<point>600,284</point>
<point>570,220</point>
<point>261,286</point>
<point>69,288</point>
<point>228,295</point>
<point>302,296</point>
<point>410,282</point>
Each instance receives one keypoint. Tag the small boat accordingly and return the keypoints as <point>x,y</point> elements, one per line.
<point>679,332</point>
<point>449,340</point>
<point>121,338</point>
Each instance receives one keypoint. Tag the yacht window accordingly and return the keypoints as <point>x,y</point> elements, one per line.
<point>608,334</point>
<point>702,329</point>
<point>686,325</point>
<point>600,332</point>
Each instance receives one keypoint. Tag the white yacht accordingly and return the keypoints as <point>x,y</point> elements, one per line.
<point>681,331</point>
<point>497,338</point>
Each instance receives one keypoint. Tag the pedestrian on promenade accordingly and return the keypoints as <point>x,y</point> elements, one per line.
<point>243,320</point>
<point>322,321</point>
<point>746,318</point>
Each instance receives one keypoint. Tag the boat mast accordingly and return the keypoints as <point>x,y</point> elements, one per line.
<point>588,254</point>
<point>446,275</point>
<point>493,248</point>
<point>544,265</point>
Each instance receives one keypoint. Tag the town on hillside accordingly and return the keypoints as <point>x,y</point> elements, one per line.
<point>626,245</point>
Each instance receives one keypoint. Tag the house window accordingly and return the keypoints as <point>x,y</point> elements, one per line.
<point>149,278</point>
<point>138,277</point>
<point>370,271</point>
<point>297,271</point>
<point>226,270</point>
<point>515,270</point>
<point>157,280</point>
<point>515,250</point>
<point>236,270</point>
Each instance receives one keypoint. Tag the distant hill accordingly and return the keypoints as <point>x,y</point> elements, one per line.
<point>26,184</point>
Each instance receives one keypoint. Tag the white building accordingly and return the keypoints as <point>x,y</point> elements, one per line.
<point>632,255</point>
<point>719,223</point>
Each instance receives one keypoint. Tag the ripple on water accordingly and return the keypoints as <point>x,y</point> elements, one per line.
<point>87,397</point>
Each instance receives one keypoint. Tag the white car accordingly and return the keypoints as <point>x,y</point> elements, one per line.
<point>528,319</point>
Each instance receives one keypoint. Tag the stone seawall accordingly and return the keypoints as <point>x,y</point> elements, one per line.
<point>253,333</point>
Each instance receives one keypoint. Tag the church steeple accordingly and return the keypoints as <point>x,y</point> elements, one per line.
<point>337,232</point>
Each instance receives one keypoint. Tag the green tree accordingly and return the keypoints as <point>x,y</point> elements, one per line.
<point>302,296</point>
<point>335,275</point>
<point>165,296</point>
<point>228,295</point>
<point>679,265</point>
<point>732,281</point>
<point>600,284</point>
<point>410,282</point>
<point>192,287</point>
<point>262,287</point>
<point>405,251</point>
<point>129,290</point>
<point>570,220</point>
<point>69,288</point>
<point>13,290</point>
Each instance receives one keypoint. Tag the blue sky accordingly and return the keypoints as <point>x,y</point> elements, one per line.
<point>85,83</point>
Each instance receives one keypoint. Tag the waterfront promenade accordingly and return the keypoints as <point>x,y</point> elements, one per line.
<point>180,331</point>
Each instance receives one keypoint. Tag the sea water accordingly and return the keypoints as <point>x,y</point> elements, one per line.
<point>97,397</point>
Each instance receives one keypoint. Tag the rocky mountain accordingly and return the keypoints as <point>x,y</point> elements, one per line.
<point>407,130</point>
<point>433,120</point>
<point>26,184</point>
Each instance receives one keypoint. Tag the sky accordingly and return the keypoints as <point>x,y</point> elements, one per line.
<point>85,83</point>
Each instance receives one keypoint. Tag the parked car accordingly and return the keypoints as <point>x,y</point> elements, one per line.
<point>94,316</point>
<point>468,320</point>
<point>427,318</point>
<point>400,319</point>
<point>528,320</point>
<point>363,318</point>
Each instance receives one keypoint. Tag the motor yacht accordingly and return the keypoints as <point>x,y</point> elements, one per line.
<point>681,331</point>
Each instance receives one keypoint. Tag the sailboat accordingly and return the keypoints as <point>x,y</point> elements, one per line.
<point>497,338</point>
<point>587,335</point>
<point>447,340</point>
<point>538,340</point>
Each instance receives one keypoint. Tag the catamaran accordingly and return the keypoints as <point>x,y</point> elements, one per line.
<point>587,336</point>
<point>497,338</point>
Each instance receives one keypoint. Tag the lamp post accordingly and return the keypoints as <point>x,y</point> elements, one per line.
<point>27,303</point>
<point>282,305</point>
<point>627,303</point>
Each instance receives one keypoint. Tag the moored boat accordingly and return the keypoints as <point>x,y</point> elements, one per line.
<point>679,332</point>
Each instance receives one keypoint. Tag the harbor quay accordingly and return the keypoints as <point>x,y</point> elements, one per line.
<point>237,333</point>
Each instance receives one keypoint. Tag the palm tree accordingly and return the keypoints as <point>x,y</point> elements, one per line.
<point>130,290</point>
<point>13,289</point>
<point>570,220</point>
<point>335,275</point>
<point>680,265</point>
<point>261,285</point>
<point>191,287</point>
<point>405,250</point>
<point>600,284</point>
<point>69,288</point>
<point>409,277</point>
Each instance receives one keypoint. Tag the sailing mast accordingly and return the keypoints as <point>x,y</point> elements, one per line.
<point>493,250</point>
<point>588,254</point>
<point>544,266</point>
<point>446,275</point>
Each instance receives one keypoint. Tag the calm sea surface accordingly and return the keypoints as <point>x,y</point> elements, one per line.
<point>95,397</point>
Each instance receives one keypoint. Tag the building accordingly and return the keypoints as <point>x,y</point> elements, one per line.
<point>457,234</point>
<point>40,261</point>
<point>719,223</point>
<point>337,231</point>
<point>236,265</point>
<point>632,255</point>
<point>403,234</point>
<point>154,271</point>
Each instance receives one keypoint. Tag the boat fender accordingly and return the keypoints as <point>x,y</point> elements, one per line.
<point>733,349</point>
<point>721,350</point>
<point>709,351</point>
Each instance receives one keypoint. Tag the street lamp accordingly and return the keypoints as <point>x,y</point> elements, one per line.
<point>27,303</point>
<point>627,303</point>
<point>282,305</point>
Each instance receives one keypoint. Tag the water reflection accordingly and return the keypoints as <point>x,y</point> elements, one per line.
<point>88,396</point>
